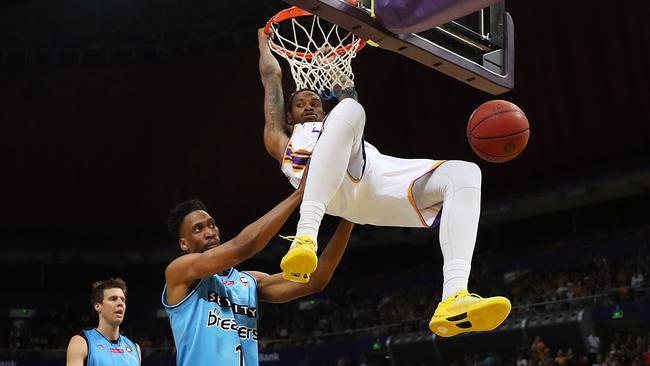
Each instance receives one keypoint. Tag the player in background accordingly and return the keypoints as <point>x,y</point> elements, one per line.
<point>104,345</point>
<point>350,178</point>
<point>213,307</point>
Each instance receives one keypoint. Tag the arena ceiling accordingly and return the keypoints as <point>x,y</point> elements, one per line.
<point>103,31</point>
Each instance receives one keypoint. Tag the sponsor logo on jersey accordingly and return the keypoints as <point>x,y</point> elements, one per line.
<point>243,279</point>
<point>228,282</point>
<point>100,346</point>
<point>225,302</point>
<point>117,350</point>
<point>215,319</point>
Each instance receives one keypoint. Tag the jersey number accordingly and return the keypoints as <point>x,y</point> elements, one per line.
<point>241,355</point>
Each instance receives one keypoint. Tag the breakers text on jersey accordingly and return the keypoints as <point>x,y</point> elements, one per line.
<point>236,308</point>
<point>215,320</point>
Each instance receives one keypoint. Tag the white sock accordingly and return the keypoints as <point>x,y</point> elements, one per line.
<point>456,275</point>
<point>311,214</point>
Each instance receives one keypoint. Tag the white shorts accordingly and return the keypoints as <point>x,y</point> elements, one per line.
<point>383,196</point>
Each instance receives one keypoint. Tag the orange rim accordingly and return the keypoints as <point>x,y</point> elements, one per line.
<point>295,12</point>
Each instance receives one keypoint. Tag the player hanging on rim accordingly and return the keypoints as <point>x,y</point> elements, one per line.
<point>350,178</point>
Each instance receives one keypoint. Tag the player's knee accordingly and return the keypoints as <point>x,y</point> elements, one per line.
<point>357,114</point>
<point>351,112</point>
<point>462,173</point>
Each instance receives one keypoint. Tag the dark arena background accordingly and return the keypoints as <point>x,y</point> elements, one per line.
<point>112,112</point>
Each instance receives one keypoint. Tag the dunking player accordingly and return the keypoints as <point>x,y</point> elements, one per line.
<point>212,307</point>
<point>104,345</point>
<point>350,178</point>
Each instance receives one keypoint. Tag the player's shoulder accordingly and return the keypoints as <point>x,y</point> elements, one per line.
<point>78,345</point>
<point>78,339</point>
<point>180,263</point>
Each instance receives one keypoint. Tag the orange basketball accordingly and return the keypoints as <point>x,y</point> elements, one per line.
<point>498,131</point>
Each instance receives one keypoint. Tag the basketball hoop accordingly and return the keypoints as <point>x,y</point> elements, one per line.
<point>319,53</point>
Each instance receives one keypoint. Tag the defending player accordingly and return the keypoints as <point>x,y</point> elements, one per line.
<point>350,178</point>
<point>104,345</point>
<point>212,307</point>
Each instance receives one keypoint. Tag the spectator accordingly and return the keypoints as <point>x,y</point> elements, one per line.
<point>560,358</point>
<point>593,345</point>
<point>537,348</point>
<point>547,358</point>
<point>571,357</point>
<point>522,360</point>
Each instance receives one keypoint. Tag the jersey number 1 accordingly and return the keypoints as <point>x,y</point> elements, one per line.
<point>241,355</point>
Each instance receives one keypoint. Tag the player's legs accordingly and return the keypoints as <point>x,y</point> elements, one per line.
<point>339,147</point>
<point>458,185</point>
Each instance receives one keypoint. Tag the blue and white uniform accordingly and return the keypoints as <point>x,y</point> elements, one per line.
<point>382,194</point>
<point>104,352</point>
<point>216,323</point>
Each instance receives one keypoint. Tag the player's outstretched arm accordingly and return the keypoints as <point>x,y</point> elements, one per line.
<point>77,351</point>
<point>184,271</point>
<point>276,135</point>
<point>273,288</point>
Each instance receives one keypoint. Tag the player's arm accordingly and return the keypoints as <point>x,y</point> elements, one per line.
<point>184,271</point>
<point>275,131</point>
<point>273,288</point>
<point>77,351</point>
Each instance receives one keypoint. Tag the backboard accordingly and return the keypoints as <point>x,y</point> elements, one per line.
<point>477,49</point>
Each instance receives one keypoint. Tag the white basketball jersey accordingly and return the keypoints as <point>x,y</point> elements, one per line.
<point>299,149</point>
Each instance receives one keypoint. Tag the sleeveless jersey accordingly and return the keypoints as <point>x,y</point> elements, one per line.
<point>299,149</point>
<point>383,196</point>
<point>102,352</point>
<point>216,323</point>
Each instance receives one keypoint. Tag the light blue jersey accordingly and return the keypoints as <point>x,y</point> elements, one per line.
<point>216,324</point>
<point>102,352</point>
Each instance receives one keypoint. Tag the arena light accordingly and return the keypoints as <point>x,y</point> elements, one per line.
<point>23,313</point>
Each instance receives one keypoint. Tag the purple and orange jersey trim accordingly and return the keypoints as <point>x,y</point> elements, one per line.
<point>436,220</point>
<point>298,159</point>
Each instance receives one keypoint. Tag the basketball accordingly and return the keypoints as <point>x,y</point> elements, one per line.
<point>498,131</point>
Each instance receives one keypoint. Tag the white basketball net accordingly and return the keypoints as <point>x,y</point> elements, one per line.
<point>319,54</point>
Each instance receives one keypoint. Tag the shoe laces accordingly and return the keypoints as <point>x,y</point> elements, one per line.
<point>302,240</point>
<point>460,294</point>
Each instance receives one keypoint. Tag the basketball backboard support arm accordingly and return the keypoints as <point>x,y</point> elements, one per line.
<point>495,77</point>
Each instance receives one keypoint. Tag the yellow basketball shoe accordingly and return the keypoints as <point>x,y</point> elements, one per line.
<point>300,261</point>
<point>463,312</point>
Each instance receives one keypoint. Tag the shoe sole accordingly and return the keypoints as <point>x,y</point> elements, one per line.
<point>298,265</point>
<point>484,315</point>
